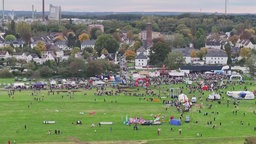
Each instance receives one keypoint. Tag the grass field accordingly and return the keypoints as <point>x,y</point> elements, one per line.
<point>23,110</point>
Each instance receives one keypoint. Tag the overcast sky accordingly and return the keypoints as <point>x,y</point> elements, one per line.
<point>234,6</point>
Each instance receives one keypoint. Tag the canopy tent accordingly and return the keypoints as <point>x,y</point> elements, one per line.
<point>205,87</point>
<point>39,84</point>
<point>176,74</point>
<point>175,122</point>
<point>214,96</point>
<point>241,94</point>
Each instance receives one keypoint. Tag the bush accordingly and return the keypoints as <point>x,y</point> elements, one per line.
<point>250,140</point>
<point>5,74</point>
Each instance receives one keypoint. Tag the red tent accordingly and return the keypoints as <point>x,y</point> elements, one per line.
<point>205,87</point>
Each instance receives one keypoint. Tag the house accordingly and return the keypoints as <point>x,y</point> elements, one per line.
<point>246,43</point>
<point>214,44</point>
<point>187,54</point>
<point>18,43</point>
<point>62,45</point>
<point>88,43</point>
<point>141,60</point>
<point>4,55</point>
<point>142,50</point>
<point>215,56</point>
<point>20,56</point>
<point>48,56</point>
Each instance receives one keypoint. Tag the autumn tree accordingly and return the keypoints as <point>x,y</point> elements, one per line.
<point>24,30</point>
<point>234,39</point>
<point>40,47</point>
<point>130,54</point>
<point>83,37</point>
<point>193,54</point>
<point>245,52</point>
<point>104,51</point>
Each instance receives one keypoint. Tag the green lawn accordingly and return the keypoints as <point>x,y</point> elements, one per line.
<point>22,109</point>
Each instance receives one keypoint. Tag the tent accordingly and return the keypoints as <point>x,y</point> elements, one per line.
<point>205,87</point>
<point>214,96</point>
<point>39,85</point>
<point>241,94</point>
<point>183,98</point>
<point>175,122</point>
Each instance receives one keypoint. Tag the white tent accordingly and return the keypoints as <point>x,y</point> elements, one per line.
<point>241,94</point>
<point>17,84</point>
<point>214,96</point>
<point>176,73</point>
<point>182,97</point>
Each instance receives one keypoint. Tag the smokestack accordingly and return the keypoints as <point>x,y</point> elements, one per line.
<point>3,10</point>
<point>33,12</point>
<point>43,10</point>
<point>226,5</point>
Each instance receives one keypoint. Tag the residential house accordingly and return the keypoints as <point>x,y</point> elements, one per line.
<point>245,43</point>
<point>141,60</point>
<point>187,54</point>
<point>214,44</point>
<point>216,57</point>
<point>20,56</point>
<point>4,55</point>
<point>142,50</point>
<point>18,43</point>
<point>62,45</point>
<point>48,56</point>
<point>88,43</point>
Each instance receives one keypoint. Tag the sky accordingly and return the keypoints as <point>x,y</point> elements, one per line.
<point>234,6</point>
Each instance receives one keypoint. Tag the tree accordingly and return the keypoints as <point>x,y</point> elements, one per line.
<point>234,39</point>
<point>12,27</point>
<point>45,71</point>
<point>95,32</point>
<point>174,60</point>
<point>193,53</point>
<point>77,68</point>
<point>251,63</point>
<point>228,52</point>
<point>71,39</point>
<point>159,52</point>
<point>74,51</point>
<point>40,47</point>
<point>83,37</point>
<point>245,52</point>
<point>104,51</point>
<point>24,30</point>
<point>130,54</point>
<point>106,41</point>
<point>202,53</point>
<point>199,38</point>
<point>130,35</point>
<point>10,37</point>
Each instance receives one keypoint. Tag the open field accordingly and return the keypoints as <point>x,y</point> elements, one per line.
<point>22,117</point>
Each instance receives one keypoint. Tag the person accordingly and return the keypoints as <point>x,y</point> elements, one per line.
<point>158,131</point>
<point>9,142</point>
<point>180,130</point>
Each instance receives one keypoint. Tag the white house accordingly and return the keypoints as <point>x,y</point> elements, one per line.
<point>141,60</point>
<point>245,43</point>
<point>4,55</point>
<point>88,43</point>
<point>62,45</point>
<point>215,56</point>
